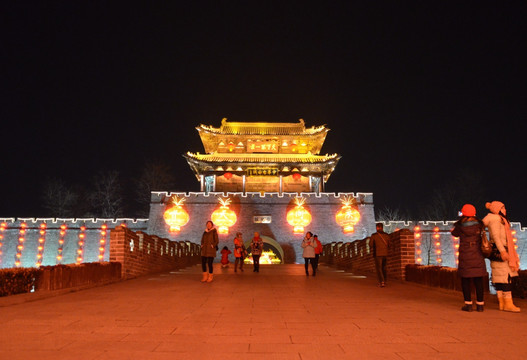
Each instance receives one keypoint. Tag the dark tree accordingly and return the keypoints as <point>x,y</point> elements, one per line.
<point>461,188</point>
<point>156,176</point>
<point>58,199</point>
<point>106,196</point>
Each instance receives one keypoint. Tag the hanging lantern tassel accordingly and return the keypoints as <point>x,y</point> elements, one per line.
<point>348,215</point>
<point>175,216</point>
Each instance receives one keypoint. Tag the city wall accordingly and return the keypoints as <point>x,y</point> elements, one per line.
<point>44,248</point>
<point>357,256</point>
<point>251,207</point>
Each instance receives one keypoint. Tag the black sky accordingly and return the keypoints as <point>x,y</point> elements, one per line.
<point>415,93</point>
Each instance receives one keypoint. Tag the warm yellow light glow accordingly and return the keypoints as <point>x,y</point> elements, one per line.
<point>348,216</point>
<point>224,217</point>
<point>299,217</point>
<point>175,216</point>
<point>267,257</point>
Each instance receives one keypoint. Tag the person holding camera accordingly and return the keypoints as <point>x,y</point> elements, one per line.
<point>471,267</point>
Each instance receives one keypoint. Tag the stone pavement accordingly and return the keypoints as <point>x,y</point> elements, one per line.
<point>278,313</point>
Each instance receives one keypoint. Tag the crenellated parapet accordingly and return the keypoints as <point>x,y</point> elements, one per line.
<point>436,246</point>
<point>35,242</point>
<point>265,213</point>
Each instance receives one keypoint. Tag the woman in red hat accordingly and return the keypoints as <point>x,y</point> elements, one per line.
<point>471,266</point>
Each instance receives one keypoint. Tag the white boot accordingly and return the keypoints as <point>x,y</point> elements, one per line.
<point>499,294</point>
<point>508,304</point>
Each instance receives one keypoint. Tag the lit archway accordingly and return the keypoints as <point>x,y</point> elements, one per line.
<point>272,245</point>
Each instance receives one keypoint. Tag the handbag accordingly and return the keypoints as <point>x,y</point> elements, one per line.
<point>495,254</point>
<point>486,248</point>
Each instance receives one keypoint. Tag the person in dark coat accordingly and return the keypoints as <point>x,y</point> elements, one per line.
<point>209,245</point>
<point>379,243</point>
<point>471,266</point>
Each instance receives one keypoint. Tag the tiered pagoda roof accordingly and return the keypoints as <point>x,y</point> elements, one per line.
<point>241,147</point>
<point>240,132</point>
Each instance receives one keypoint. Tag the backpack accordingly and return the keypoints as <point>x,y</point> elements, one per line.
<point>318,249</point>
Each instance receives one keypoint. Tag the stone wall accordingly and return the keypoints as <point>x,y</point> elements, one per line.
<point>32,241</point>
<point>323,208</point>
<point>141,254</point>
<point>444,254</point>
<point>357,256</point>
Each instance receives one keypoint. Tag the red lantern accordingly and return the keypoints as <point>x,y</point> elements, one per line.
<point>224,217</point>
<point>296,176</point>
<point>228,175</point>
<point>175,216</point>
<point>299,217</point>
<point>348,215</point>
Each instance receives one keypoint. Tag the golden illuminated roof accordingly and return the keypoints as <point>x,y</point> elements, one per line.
<point>261,158</point>
<point>262,128</point>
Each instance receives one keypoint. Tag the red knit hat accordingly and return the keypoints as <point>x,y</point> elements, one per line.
<point>468,210</point>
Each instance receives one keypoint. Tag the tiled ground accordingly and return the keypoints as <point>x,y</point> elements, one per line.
<point>278,313</point>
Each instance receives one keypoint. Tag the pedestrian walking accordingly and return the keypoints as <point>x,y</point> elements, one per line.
<point>471,267</point>
<point>209,245</point>
<point>506,263</point>
<point>318,251</point>
<point>225,257</point>
<point>379,243</point>
<point>309,245</point>
<point>239,251</point>
<point>256,250</point>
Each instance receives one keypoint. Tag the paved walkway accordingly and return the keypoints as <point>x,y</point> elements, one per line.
<point>278,313</point>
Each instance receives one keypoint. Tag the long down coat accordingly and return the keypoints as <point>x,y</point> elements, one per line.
<point>501,271</point>
<point>471,260</point>
<point>209,242</point>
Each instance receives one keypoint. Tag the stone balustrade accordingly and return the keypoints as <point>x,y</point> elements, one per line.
<point>141,254</point>
<point>356,256</point>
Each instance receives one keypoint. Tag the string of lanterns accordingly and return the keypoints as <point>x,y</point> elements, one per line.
<point>20,246</point>
<point>80,243</point>
<point>437,245</point>
<point>41,241</point>
<point>3,226</point>
<point>418,240</point>
<point>60,249</point>
<point>102,242</point>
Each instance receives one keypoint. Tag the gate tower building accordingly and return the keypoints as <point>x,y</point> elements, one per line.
<point>262,157</point>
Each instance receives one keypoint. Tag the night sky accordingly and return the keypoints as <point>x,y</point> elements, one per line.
<point>416,94</point>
